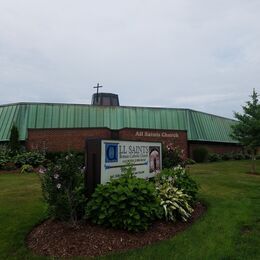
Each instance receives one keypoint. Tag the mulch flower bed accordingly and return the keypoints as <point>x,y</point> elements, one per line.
<point>59,239</point>
<point>10,171</point>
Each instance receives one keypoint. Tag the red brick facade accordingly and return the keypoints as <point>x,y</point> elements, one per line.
<point>69,139</point>
<point>73,139</point>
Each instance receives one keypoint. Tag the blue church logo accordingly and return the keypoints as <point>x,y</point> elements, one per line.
<point>111,152</point>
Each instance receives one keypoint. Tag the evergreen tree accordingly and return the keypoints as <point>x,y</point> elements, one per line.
<point>247,130</point>
<point>14,143</point>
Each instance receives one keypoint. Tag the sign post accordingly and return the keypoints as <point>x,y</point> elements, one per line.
<point>106,159</point>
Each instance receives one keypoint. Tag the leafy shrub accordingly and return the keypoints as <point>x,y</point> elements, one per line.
<point>189,161</point>
<point>258,157</point>
<point>226,156</point>
<point>238,156</point>
<point>179,178</point>
<point>4,157</point>
<point>125,203</point>
<point>200,154</point>
<point>26,169</point>
<point>3,161</point>
<point>33,158</point>
<point>63,189</point>
<point>214,157</point>
<point>247,156</point>
<point>172,156</point>
<point>174,202</point>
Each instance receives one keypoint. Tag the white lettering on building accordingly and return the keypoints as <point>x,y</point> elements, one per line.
<point>156,134</point>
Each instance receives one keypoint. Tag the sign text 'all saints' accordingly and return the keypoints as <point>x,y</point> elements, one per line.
<point>144,157</point>
<point>156,134</point>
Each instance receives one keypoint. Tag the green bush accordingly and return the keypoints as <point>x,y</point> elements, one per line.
<point>63,189</point>
<point>33,158</point>
<point>214,157</point>
<point>200,154</point>
<point>180,179</point>
<point>4,157</point>
<point>189,161</point>
<point>3,161</point>
<point>226,156</point>
<point>125,203</point>
<point>238,156</point>
<point>174,202</point>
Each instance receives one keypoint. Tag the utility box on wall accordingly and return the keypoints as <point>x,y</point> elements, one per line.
<point>106,159</point>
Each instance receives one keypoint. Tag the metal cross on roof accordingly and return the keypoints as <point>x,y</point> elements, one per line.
<point>97,87</point>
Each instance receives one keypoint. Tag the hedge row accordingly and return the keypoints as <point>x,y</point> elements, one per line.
<point>201,154</point>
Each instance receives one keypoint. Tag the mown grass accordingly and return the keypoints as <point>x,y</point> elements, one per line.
<point>230,229</point>
<point>21,207</point>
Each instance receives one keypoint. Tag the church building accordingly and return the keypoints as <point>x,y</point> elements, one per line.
<point>65,127</point>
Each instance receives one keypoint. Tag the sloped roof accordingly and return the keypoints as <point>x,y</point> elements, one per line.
<point>200,126</point>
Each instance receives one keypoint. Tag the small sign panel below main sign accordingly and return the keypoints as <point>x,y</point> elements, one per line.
<point>145,157</point>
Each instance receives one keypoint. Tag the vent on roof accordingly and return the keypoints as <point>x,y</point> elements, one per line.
<point>105,99</point>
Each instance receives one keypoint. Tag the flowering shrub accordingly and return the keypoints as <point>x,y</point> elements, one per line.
<point>172,156</point>
<point>127,203</point>
<point>63,188</point>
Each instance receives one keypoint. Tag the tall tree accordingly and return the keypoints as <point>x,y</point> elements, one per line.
<point>14,143</point>
<point>247,130</point>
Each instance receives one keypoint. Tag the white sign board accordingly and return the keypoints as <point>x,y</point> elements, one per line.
<point>145,157</point>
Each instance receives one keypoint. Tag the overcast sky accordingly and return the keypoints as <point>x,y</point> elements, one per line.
<point>203,55</point>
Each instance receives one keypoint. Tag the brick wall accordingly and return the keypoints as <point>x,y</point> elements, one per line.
<point>57,140</point>
<point>178,138</point>
<point>74,139</point>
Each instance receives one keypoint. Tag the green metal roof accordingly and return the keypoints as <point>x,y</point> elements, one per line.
<point>200,126</point>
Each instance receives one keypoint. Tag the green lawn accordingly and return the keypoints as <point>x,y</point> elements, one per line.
<point>230,229</point>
